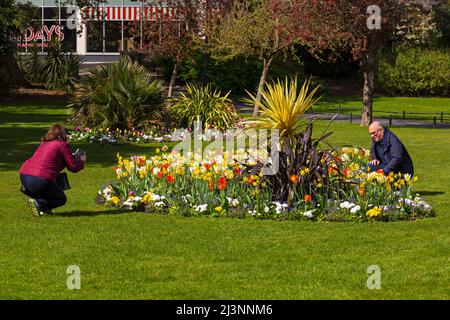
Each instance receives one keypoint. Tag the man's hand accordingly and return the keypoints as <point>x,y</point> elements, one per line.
<point>374,162</point>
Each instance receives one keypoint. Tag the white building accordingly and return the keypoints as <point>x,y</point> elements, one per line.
<point>104,31</point>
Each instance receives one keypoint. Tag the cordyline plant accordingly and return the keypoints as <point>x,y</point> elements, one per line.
<point>304,167</point>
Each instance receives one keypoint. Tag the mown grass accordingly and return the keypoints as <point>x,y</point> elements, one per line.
<point>125,255</point>
<point>383,106</point>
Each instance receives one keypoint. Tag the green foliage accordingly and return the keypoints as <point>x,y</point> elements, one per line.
<point>118,95</point>
<point>236,75</point>
<point>442,15</point>
<point>282,107</point>
<point>12,20</point>
<point>206,104</point>
<point>59,69</point>
<point>416,72</point>
<point>30,64</point>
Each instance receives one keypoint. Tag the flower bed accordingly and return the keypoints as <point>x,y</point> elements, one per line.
<point>117,136</point>
<point>187,186</point>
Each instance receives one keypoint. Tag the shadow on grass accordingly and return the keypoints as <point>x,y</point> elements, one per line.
<point>430,193</point>
<point>79,213</point>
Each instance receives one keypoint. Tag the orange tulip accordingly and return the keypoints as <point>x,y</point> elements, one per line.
<point>170,179</point>
<point>308,198</point>
<point>222,183</point>
<point>294,179</point>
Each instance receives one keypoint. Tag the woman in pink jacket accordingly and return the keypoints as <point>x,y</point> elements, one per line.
<point>38,174</point>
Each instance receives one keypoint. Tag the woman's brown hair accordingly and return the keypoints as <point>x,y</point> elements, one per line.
<point>56,132</point>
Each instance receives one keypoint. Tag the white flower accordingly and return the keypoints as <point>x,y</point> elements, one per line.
<point>266,209</point>
<point>308,214</point>
<point>156,197</point>
<point>355,209</point>
<point>128,203</point>
<point>347,205</point>
<point>159,203</point>
<point>201,208</point>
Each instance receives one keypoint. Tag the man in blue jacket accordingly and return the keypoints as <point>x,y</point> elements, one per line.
<point>388,152</point>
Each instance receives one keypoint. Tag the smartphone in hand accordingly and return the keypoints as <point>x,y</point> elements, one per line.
<point>79,153</point>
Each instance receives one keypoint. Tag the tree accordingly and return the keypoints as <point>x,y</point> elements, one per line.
<point>362,27</point>
<point>253,28</point>
<point>178,35</point>
<point>13,18</point>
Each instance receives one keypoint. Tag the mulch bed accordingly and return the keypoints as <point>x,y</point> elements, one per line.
<point>33,94</point>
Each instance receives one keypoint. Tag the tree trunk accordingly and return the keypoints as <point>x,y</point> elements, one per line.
<point>173,78</point>
<point>204,70</point>
<point>369,73</point>
<point>262,82</point>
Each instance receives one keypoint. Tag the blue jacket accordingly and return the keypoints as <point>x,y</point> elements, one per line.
<point>392,154</point>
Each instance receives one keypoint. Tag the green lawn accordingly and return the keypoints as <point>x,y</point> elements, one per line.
<point>124,255</point>
<point>386,106</point>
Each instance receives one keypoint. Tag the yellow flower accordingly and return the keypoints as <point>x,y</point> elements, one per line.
<point>218,209</point>
<point>147,198</point>
<point>157,150</point>
<point>373,213</point>
<point>115,200</point>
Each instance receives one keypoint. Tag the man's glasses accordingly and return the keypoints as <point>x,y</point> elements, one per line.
<point>373,132</point>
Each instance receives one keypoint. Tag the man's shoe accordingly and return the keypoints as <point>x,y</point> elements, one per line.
<point>35,211</point>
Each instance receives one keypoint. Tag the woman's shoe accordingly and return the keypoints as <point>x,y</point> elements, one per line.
<point>34,206</point>
<point>47,213</point>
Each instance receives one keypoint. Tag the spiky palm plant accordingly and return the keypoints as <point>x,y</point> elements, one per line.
<point>118,95</point>
<point>206,104</point>
<point>282,107</point>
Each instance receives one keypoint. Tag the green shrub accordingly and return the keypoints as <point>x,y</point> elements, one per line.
<point>30,64</point>
<point>417,72</point>
<point>59,69</point>
<point>206,104</point>
<point>118,95</point>
<point>237,75</point>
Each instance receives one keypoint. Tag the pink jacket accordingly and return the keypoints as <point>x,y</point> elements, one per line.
<point>49,159</point>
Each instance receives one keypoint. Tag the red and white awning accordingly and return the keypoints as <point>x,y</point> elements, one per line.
<point>134,13</point>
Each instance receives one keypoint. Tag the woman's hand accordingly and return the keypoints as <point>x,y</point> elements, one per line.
<point>374,162</point>
<point>83,158</point>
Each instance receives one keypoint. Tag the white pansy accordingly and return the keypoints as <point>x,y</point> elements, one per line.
<point>308,214</point>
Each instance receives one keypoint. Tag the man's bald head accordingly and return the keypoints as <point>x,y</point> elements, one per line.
<point>376,131</point>
<point>375,126</point>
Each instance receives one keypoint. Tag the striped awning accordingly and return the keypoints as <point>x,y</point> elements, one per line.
<point>121,13</point>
